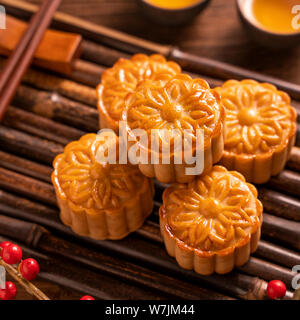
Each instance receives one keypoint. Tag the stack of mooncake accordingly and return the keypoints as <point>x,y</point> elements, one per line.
<point>210,221</point>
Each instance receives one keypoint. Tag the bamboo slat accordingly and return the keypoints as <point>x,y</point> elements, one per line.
<point>240,285</point>
<point>79,278</point>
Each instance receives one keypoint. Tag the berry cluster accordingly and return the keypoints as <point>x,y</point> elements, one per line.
<point>28,268</point>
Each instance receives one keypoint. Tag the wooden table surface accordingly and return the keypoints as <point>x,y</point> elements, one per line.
<point>215,33</point>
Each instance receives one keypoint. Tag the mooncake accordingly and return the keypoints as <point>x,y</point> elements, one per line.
<point>213,223</point>
<point>260,128</point>
<point>179,108</point>
<point>99,200</point>
<point>123,78</point>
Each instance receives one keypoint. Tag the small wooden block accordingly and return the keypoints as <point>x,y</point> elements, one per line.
<point>57,50</point>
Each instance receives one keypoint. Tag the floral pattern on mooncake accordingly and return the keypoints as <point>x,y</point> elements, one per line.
<point>123,78</point>
<point>100,200</point>
<point>214,217</point>
<point>181,105</point>
<point>260,128</point>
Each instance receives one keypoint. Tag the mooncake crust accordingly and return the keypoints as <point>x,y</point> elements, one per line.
<point>122,78</point>
<point>193,226</point>
<point>102,201</point>
<point>181,103</point>
<point>260,129</point>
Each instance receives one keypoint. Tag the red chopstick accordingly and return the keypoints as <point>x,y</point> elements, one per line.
<point>22,56</point>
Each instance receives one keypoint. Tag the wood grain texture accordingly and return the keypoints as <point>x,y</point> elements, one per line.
<point>61,60</point>
<point>216,33</point>
<point>55,291</point>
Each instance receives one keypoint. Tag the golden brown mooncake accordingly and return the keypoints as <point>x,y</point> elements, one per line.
<point>260,128</point>
<point>213,223</point>
<point>102,201</point>
<point>182,105</point>
<point>123,78</point>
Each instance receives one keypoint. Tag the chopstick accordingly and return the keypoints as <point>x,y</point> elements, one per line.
<point>22,56</point>
<point>19,51</point>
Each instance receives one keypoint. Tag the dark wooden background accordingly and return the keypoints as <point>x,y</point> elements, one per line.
<point>215,33</point>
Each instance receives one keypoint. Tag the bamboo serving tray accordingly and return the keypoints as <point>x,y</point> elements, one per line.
<point>49,111</point>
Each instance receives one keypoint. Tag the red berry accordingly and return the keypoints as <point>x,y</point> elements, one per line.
<point>3,245</point>
<point>29,269</point>
<point>276,289</point>
<point>87,298</point>
<point>12,254</point>
<point>9,292</point>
